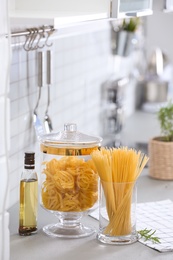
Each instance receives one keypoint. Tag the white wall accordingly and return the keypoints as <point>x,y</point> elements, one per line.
<point>159,33</point>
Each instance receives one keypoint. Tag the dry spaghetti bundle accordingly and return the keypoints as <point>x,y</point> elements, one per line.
<point>118,169</point>
<point>71,184</point>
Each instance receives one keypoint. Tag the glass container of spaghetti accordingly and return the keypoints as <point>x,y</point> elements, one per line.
<point>118,169</point>
<point>117,214</point>
<point>69,180</point>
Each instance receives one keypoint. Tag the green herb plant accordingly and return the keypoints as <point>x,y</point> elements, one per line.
<point>165,117</point>
<point>130,25</point>
<point>148,234</point>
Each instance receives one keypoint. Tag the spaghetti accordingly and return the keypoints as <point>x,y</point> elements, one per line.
<point>118,170</point>
<point>71,184</point>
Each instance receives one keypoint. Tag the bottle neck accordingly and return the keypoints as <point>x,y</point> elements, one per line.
<point>29,167</point>
<point>29,173</point>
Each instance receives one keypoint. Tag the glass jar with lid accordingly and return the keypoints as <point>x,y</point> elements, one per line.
<point>69,180</point>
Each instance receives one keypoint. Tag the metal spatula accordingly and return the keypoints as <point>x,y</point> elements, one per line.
<point>47,120</point>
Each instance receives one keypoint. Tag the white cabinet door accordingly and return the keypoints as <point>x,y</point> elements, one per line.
<point>129,8</point>
<point>61,12</point>
<point>69,7</point>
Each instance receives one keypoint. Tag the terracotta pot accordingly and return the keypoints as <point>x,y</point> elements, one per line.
<point>160,159</point>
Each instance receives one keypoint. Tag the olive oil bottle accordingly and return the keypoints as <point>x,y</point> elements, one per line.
<point>28,197</point>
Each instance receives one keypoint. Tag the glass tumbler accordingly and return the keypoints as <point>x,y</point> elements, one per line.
<point>117,213</point>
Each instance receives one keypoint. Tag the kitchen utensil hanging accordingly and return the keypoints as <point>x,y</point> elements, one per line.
<point>47,120</point>
<point>36,120</point>
<point>157,62</point>
<point>35,36</point>
<point>155,87</point>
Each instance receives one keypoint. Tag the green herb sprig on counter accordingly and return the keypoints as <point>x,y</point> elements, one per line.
<point>148,234</point>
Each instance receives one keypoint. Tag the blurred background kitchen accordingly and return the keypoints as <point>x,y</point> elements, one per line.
<point>99,78</point>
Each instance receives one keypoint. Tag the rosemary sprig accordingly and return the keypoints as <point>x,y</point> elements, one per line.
<point>148,234</point>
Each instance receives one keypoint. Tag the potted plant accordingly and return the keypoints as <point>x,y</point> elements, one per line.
<point>130,25</point>
<point>161,148</point>
<point>126,36</point>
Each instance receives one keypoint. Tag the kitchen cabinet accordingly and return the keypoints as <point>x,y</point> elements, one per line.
<point>62,13</point>
<point>126,8</point>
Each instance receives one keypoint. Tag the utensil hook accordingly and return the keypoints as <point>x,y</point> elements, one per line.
<point>27,41</point>
<point>42,35</point>
<point>33,35</point>
<point>39,36</point>
<point>47,38</point>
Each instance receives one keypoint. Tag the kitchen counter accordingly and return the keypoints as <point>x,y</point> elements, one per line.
<point>41,246</point>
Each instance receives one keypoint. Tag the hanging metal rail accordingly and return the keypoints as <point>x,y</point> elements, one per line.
<point>34,37</point>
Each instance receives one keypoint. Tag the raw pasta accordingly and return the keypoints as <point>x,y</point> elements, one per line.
<point>71,184</point>
<point>118,170</point>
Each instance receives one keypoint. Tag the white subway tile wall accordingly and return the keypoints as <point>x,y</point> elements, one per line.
<point>80,64</point>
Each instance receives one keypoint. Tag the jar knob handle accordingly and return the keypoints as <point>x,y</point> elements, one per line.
<point>70,127</point>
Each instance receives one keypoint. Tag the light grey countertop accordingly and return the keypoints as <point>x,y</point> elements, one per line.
<point>41,246</point>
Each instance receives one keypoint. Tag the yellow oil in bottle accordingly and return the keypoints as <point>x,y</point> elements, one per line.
<point>28,207</point>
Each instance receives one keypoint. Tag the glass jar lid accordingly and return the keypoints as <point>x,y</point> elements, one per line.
<point>70,138</point>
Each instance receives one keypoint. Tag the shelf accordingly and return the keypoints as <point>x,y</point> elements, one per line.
<point>57,20</point>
